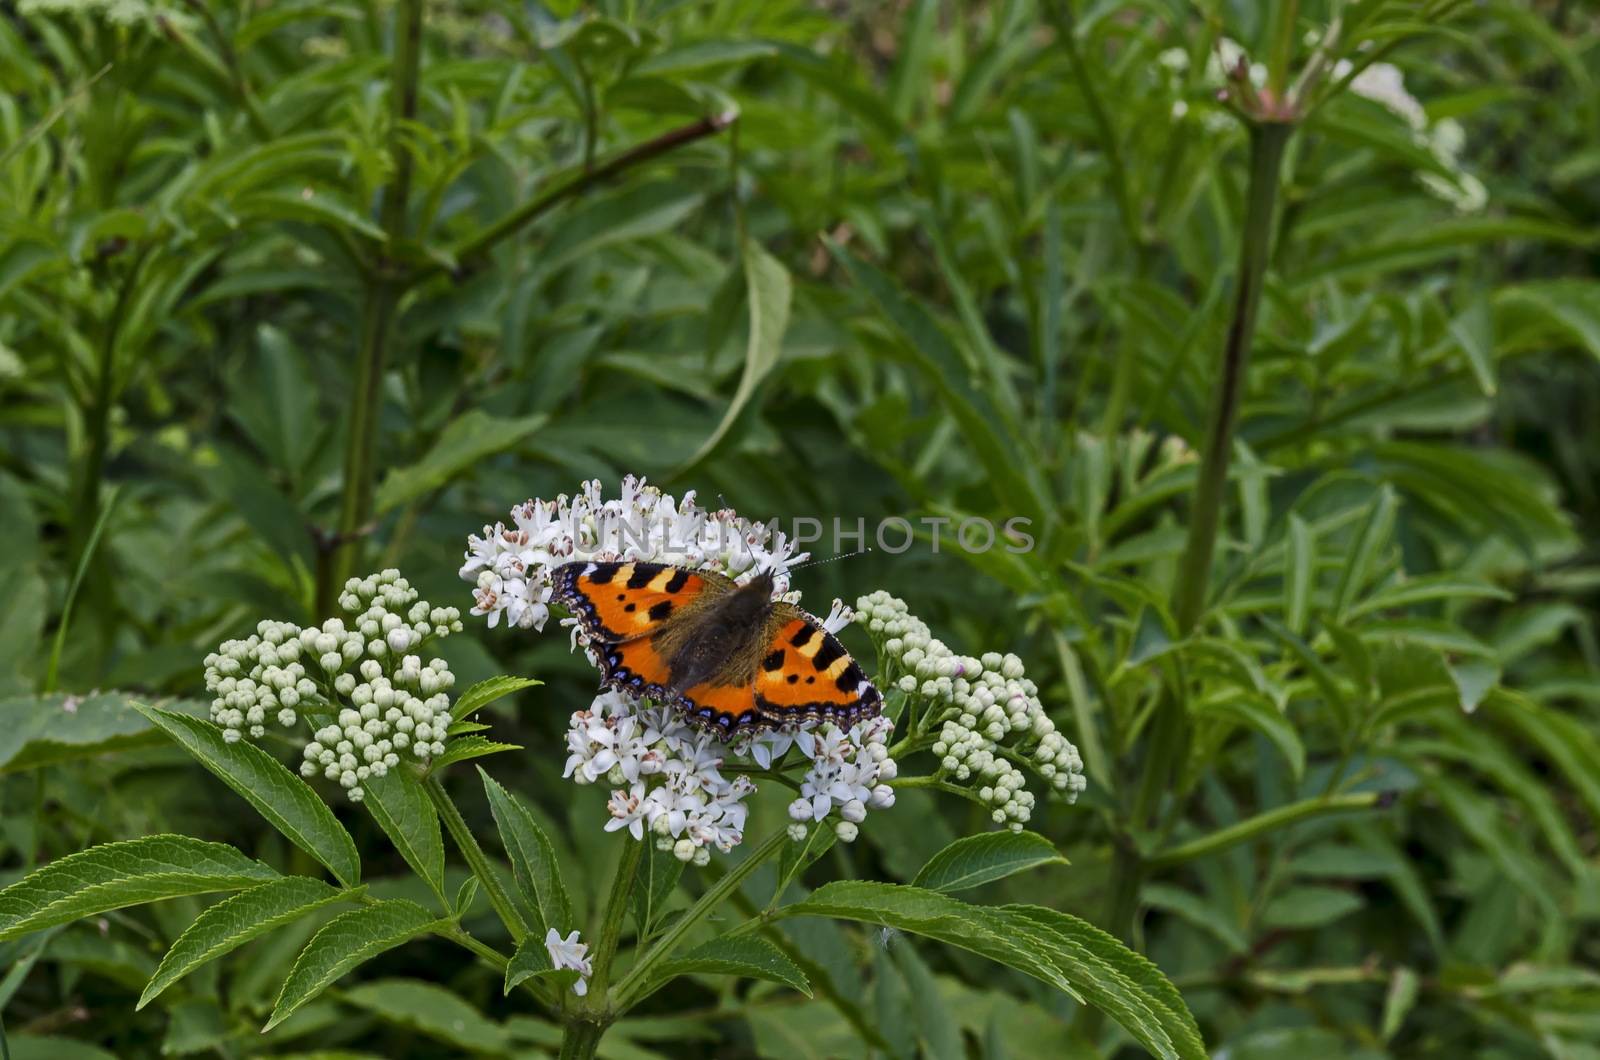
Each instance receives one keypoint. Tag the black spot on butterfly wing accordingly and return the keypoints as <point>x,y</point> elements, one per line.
<point>644,573</point>
<point>830,651</point>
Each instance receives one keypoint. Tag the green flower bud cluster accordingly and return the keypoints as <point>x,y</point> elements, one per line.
<point>369,696</point>
<point>985,711</point>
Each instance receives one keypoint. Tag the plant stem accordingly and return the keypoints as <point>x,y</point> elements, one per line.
<point>587,177</point>
<point>582,1038</point>
<point>92,470</point>
<point>477,860</point>
<point>1267,143</point>
<point>1170,733</point>
<point>624,992</point>
<point>1261,824</point>
<point>384,287</point>
<point>588,1023</point>
<point>616,912</point>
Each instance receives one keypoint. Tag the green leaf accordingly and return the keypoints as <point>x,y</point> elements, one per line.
<point>236,920</point>
<point>1570,745</point>
<point>432,1010</point>
<point>285,800</point>
<point>909,79</point>
<point>466,442</point>
<point>1300,908</point>
<point>703,55</point>
<point>40,730</point>
<point>533,858</point>
<point>461,748</point>
<point>1369,543</point>
<point>1572,306</point>
<point>43,1047</point>
<point>622,216</point>
<point>1255,712</point>
<point>487,691</point>
<point>344,942</point>
<point>1473,330</point>
<point>769,292</point>
<point>401,808</point>
<point>1439,240</point>
<point>1426,589</point>
<point>659,873</point>
<point>1298,565</point>
<point>936,358</point>
<point>114,875</point>
<point>1206,916</point>
<point>743,955</point>
<point>1069,954</point>
<point>1480,818</point>
<point>795,858</point>
<point>974,860</point>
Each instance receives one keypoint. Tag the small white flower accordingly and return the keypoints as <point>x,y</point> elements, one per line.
<point>568,953</point>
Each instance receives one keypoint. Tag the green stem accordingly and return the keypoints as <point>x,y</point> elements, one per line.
<point>1267,143</point>
<point>490,956</point>
<point>384,288</point>
<point>588,1023</point>
<point>624,992</point>
<point>99,413</point>
<point>477,860</point>
<point>616,912</point>
<point>581,1039</point>
<point>1169,742</point>
<point>585,178</point>
<point>1261,824</point>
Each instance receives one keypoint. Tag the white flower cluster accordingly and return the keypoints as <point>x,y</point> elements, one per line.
<point>510,565</point>
<point>1385,84</point>
<point>987,712</point>
<point>132,13</point>
<point>668,774</point>
<point>850,771</point>
<point>568,953</point>
<point>671,772</point>
<point>383,701</point>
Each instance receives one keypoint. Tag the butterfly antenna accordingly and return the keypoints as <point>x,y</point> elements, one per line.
<point>829,559</point>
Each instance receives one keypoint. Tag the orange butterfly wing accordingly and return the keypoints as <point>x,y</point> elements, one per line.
<point>807,674</point>
<point>621,606</point>
<point>725,708</point>
<point>616,602</point>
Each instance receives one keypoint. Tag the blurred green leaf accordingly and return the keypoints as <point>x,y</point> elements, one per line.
<point>466,442</point>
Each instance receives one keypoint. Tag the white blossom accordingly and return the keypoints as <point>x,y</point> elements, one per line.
<point>1385,85</point>
<point>509,565</point>
<point>568,953</point>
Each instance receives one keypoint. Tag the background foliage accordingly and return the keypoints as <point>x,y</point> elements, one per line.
<point>262,322</point>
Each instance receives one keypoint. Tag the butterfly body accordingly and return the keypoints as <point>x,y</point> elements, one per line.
<point>729,656</point>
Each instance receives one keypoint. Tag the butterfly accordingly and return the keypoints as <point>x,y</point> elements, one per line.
<point>729,656</point>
